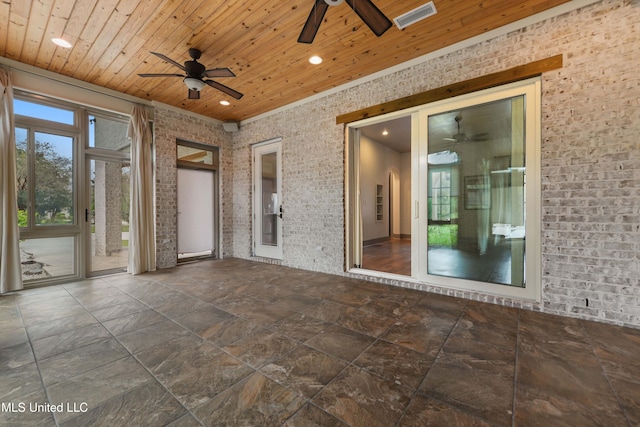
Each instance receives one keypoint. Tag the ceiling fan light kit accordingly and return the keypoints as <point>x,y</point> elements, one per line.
<point>194,84</point>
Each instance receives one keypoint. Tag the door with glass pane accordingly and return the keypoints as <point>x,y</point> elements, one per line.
<point>477,153</point>
<point>108,215</point>
<point>107,194</point>
<point>267,204</point>
<point>479,194</point>
<point>46,180</point>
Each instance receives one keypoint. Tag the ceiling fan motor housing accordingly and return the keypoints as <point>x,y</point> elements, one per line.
<point>333,2</point>
<point>194,69</point>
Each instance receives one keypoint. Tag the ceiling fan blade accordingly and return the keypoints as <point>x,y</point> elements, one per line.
<point>169,60</point>
<point>161,75</point>
<point>219,72</point>
<point>371,15</point>
<point>232,93</point>
<point>194,94</point>
<point>314,20</point>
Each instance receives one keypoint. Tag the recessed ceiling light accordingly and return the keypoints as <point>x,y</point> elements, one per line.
<point>315,60</point>
<point>385,132</point>
<point>62,43</point>
<point>225,103</point>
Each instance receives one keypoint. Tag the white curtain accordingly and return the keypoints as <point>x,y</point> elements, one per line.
<point>142,239</point>
<point>10,271</point>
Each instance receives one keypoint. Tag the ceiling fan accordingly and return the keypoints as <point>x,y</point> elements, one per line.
<point>196,73</point>
<point>366,10</point>
<point>462,137</point>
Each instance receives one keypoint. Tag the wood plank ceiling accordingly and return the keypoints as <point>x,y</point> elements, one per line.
<point>112,41</point>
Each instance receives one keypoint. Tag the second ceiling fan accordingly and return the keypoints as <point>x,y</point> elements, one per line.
<point>366,10</point>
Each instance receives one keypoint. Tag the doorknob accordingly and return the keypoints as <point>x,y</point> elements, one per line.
<point>281,211</point>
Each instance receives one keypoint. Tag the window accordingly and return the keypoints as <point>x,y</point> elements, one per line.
<point>38,109</point>
<point>440,198</point>
<point>46,177</point>
<point>47,143</point>
<point>72,165</point>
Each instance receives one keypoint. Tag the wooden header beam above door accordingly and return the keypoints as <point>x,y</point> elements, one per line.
<point>521,72</point>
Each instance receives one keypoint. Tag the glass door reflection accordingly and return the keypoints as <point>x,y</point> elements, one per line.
<point>476,193</point>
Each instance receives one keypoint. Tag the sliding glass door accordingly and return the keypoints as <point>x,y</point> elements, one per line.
<point>475,190</point>
<point>482,165</point>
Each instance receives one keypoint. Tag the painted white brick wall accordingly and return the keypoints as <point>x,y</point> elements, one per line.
<point>590,160</point>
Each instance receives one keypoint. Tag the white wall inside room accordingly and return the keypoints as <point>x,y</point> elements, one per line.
<point>376,163</point>
<point>405,195</point>
<point>590,159</point>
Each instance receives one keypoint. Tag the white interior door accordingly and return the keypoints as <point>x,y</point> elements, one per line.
<point>267,204</point>
<point>195,212</point>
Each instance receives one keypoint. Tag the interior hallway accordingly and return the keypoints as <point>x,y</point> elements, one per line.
<point>234,342</point>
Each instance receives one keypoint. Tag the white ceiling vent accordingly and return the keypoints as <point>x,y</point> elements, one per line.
<point>415,15</point>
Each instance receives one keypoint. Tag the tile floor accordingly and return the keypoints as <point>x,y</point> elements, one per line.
<point>238,343</point>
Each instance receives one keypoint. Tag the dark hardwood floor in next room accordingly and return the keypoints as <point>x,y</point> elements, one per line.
<point>392,256</point>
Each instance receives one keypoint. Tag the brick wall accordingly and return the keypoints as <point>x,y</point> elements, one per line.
<point>170,125</point>
<point>312,186</point>
<point>590,160</point>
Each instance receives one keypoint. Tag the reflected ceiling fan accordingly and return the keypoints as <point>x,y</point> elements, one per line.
<point>366,10</point>
<point>461,137</point>
<point>196,73</point>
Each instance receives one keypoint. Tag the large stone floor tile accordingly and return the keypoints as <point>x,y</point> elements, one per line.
<point>147,405</point>
<point>255,401</point>
<point>360,398</point>
<point>95,387</point>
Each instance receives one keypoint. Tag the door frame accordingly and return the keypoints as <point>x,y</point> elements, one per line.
<point>103,156</point>
<point>419,161</point>
<point>210,167</point>
<point>257,150</point>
